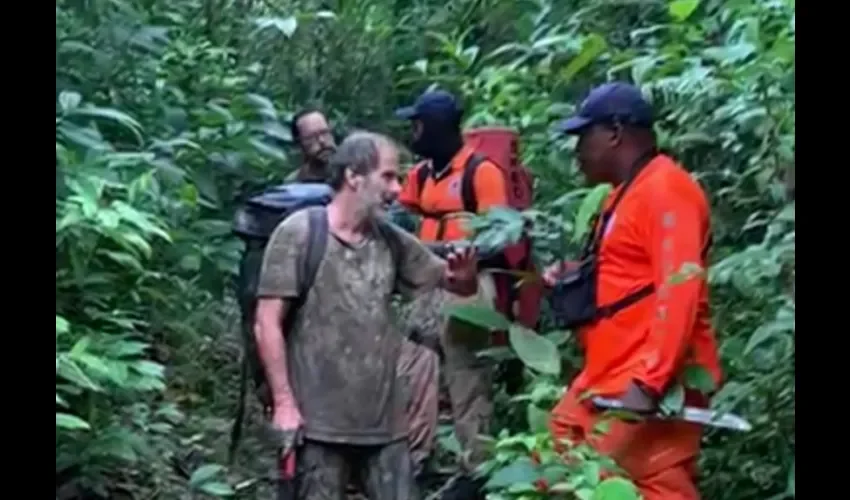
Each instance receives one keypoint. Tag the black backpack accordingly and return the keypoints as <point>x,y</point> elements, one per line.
<point>254,224</point>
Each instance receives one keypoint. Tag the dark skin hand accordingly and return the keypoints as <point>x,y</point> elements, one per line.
<point>639,400</point>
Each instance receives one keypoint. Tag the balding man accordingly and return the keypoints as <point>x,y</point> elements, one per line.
<point>418,366</point>
<point>333,373</point>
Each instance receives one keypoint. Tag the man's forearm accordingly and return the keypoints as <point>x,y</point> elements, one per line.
<point>272,352</point>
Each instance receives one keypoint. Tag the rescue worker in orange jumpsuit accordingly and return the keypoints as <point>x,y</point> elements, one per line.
<point>655,220</point>
<point>437,137</point>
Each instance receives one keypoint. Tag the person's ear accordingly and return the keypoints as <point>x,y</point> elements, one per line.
<point>352,179</point>
<point>615,132</point>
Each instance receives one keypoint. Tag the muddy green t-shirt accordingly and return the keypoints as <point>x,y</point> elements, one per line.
<point>342,350</point>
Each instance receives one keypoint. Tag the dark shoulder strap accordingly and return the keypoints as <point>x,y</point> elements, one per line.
<point>390,235</point>
<point>317,232</point>
<point>600,220</point>
<point>317,240</point>
<point>467,183</point>
<point>421,177</point>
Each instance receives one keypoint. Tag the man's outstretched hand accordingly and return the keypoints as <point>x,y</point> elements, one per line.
<point>462,264</point>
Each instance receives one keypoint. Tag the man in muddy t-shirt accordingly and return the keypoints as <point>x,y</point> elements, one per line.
<point>417,365</point>
<point>333,376</point>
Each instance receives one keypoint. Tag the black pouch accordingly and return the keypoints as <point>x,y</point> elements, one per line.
<point>573,298</point>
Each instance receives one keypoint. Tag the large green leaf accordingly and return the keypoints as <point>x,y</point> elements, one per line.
<point>62,326</point>
<point>590,205</point>
<point>205,474</point>
<point>69,370</point>
<point>536,351</point>
<point>538,419</point>
<point>114,115</point>
<point>592,47</point>
<point>697,377</point>
<point>71,422</point>
<point>673,401</point>
<point>217,489</point>
<point>519,471</point>
<point>681,10</point>
<point>783,324</point>
<point>478,315</point>
<point>616,488</point>
<point>286,26</point>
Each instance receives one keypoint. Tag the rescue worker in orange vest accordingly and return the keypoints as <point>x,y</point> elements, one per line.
<point>655,220</point>
<point>437,137</point>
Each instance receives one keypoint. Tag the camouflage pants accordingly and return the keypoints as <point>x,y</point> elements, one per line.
<point>324,471</point>
<point>468,378</point>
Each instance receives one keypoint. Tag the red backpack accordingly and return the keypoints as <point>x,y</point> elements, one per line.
<point>501,147</point>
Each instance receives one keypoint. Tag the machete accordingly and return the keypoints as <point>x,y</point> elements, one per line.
<point>691,414</point>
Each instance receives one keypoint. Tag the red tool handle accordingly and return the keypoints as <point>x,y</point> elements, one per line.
<point>287,465</point>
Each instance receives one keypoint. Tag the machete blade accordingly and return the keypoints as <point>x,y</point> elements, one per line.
<point>715,419</point>
<point>691,414</point>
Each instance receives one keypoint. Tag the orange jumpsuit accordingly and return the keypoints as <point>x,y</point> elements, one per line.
<point>661,223</point>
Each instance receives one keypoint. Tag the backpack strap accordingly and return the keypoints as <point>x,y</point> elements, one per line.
<point>390,236</point>
<point>613,308</point>
<point>317,234</point>
<point>467,189</point>
<point>317,242</point>
<point>600,220</point>
<point>309,261</point>
<point>421,177</point>
<point>467,183</point>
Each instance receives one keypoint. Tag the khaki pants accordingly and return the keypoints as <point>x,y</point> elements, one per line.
<point>469,379</point>
<point>418,367</point>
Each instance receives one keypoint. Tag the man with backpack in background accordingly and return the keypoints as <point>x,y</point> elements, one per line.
<point>330,350</point>
<point>253,224</point>
<point>312,133</point>
<point>452,177</point>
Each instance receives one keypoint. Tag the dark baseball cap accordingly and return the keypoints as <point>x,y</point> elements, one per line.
<point>434,104</point>
<point>609,103</point>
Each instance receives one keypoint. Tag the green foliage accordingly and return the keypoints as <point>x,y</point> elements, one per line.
<point>530,464</point>
<point>169,113</point>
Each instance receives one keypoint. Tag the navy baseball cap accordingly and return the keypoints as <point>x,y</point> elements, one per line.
<point>435,103</point>
<point>609,103</point>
